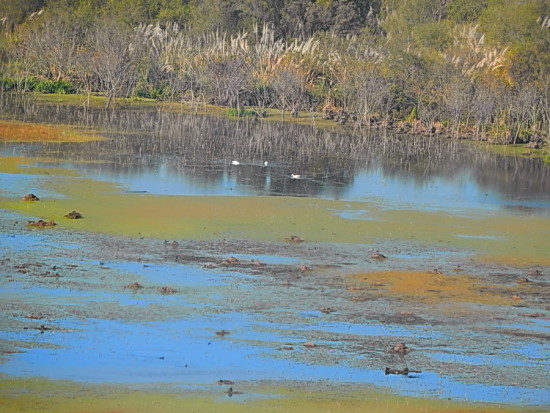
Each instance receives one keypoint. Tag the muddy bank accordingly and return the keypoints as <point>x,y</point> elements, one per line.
<point>57,396</point>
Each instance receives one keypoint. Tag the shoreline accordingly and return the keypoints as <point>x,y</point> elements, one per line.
<point>315,119</point>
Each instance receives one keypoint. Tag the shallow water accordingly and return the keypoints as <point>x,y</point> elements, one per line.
<point>171,154</point>
<point>100,330</point>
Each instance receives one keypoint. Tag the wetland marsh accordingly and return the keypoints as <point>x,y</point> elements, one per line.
<point>180,273</point>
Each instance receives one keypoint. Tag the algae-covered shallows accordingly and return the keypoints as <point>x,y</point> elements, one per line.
<point>449,272</point>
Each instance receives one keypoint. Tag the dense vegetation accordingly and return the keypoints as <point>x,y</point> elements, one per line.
<point>477,68</point>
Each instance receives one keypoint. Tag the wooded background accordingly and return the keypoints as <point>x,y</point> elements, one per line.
<point>470,68</point>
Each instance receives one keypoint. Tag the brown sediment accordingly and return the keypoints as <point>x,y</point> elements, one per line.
<point>16,131</point>
<point>432,287</point>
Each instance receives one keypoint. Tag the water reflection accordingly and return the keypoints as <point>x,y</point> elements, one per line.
<point>170,153</point>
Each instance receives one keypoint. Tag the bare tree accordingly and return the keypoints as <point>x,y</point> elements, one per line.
<point>114,54</point>
<point>228,78</point>
<point>290,87</point>
<point>52,43</point>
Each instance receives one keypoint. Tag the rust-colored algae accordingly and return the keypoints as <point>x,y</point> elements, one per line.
<point>432,287</point>
<point>15,131</point>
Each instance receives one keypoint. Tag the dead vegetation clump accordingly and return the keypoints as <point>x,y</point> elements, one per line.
<point>134,286</point>
<point>294,238</point>
<point>41,223</point>
<point>230,261</point>
<point>166,290</point>
<point>73,215</point>
<point>30,198</point>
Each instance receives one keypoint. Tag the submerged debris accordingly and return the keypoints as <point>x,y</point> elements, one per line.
<point>533,315</point>
<point>166,290</point>
<point>404,372</point>
<point>42,328</point>
<point>294,238</point>
<point>74,215</point>
<point>405,314</point>
<point>231,392</point>
<point>30,198</point>
<point>400,348</point>
<point>41,223</point>
<point>34,316</point>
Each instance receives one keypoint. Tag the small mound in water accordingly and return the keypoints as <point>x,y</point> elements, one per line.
<point>134,286</point>
<point>30,198</point>
<point>41,223</point>
<point>166,290</point>
<point>73,215</point>
<point>230,261</point>
<point>400,348</point>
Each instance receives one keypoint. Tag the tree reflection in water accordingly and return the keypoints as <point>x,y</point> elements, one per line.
<point>198,149</point>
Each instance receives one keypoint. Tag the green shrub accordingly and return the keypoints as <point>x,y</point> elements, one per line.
<point>53,86</point>
<point>38,85</point>
<point>234,112</point>
<point>413,115</point>
<point>7,83</point>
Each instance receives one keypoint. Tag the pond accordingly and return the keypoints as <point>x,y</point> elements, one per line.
<point>168,197</point>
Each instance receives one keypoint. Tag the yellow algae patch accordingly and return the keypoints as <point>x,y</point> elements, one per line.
<point>524,260</point>
<point>31,395</point>
<point>432,287</point>
<point>15,131</point>
<point>485,233</point>
<point>23,165</point>
<point>108,209</point>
